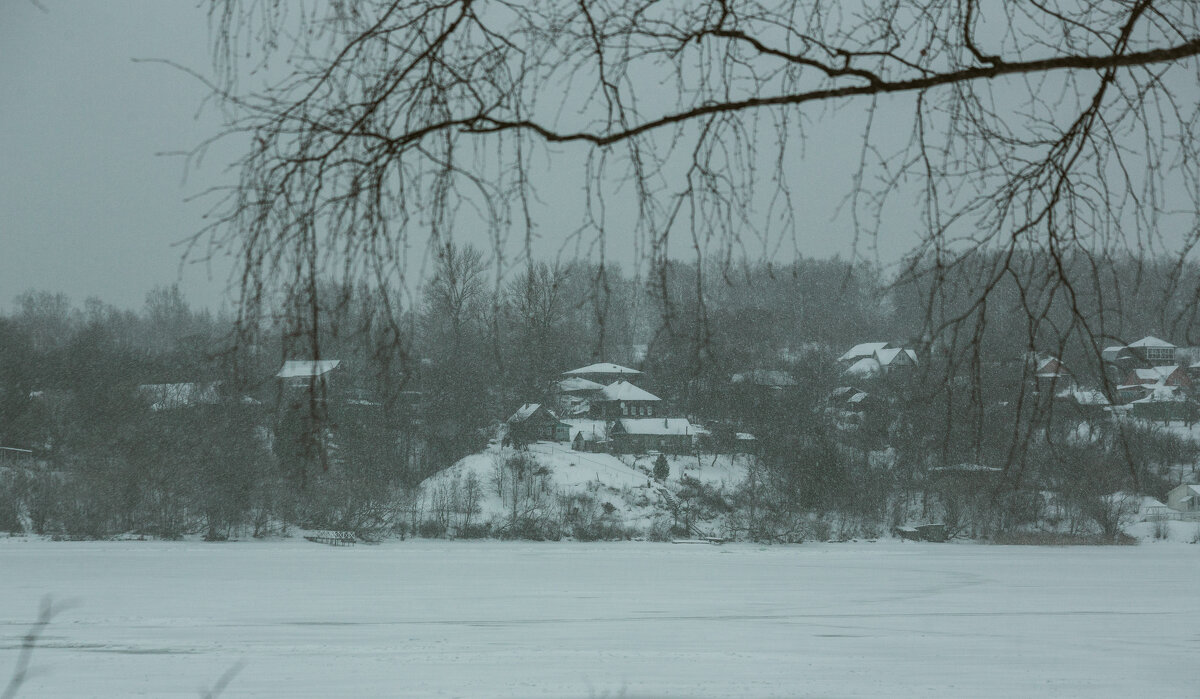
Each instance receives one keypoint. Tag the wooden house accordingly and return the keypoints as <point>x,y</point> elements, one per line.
<point>303,374</point>
<point>863,350</point>
<point>534,422</point>
<point>622,399</point>
<point>880,362</point>
<point>1142,382</point>
<point>1153,351</point>
<point>1147,352</point>
<point>1184,498</point>
<point>673,435</point>
<point>1050,374</point>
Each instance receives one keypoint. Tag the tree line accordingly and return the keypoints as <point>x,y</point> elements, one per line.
<point>424,385</point>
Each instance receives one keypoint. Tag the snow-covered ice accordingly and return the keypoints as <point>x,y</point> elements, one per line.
<point>487,618</point>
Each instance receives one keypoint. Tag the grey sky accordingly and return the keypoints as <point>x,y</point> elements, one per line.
<point>86,205</point>
<point>90,207</point>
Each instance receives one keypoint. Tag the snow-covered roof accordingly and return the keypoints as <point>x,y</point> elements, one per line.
<point>857,398</point>
<point>602,368</point>
<point>307,368</point>
<point>765,377</point>
<point>1155,374</point>
<point>578,383</point>
<point>658,426</point>
<point>1162,394</point>
<point>1084,396</point>
<point>745,437</point>
<point>623,390</point>
<point>867,366</point>
<point>864,349</point>
<point>590,430</point>
<point>1151,341</point>
<point>524,412</point>
<point>887,355</point>
<point>1044,367</point>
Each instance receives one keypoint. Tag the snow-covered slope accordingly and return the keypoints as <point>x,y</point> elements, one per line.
<point>554,477</point>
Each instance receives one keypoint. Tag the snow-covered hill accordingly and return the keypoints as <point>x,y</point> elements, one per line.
<point>549,481</point>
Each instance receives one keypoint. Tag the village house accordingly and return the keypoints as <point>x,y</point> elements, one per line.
<point>574,395</point>
<point>864,350</point>
<point>1050,374</point>
<point>673,435</point>
<point>534,422</point>
<point>879,362</point>
<point>1142,383</point>
<point>1185,498</point>
<point>12,457</point>
<point>301,374</point>
<point>1147,352</point>
<point>622,399</point>
<point>768,380</point>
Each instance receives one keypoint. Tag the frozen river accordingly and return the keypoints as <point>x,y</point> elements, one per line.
<point>435,618</point>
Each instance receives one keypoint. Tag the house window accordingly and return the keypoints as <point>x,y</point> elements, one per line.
<point>1160,353</point>
<point>624,409</point>
<point>650,410</point>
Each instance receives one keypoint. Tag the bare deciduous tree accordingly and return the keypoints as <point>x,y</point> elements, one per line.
<point>1044,130</point>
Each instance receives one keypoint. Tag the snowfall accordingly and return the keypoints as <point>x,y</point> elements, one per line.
<point>566,619</point>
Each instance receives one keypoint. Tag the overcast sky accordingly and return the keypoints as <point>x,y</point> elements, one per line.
<point>90,206</point>
<point>87,204</point>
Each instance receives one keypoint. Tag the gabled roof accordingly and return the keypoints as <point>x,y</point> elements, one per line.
<point>578,383</point>
<point>527,411</point>
<point>887,355</point>
<point>864,349</point>
<point>1155,374</point>
<point>1045,362</point>
<point>658,426</point>
<point>1151,341</point>
<point>602,368</point>
<point>307,368</point>
<point>623,390</point>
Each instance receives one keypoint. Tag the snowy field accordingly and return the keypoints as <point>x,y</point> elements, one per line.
<point>438,618</point>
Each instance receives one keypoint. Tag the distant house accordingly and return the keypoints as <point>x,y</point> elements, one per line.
<point>303,373</point>
<point>622,399</point>
<point>1143,382</point>
<point>12,457</point>
<point>1153,351</point>
<point>1049,373</point>
<point>767,379</point>
<point>1184,498</point>
<point>603,373</point>
<point>174,396</point>
<point>862,350</point>
<point>573,396</point>
<point>1147,352</point>
<point>534,422</point>
<point>880,362</point>
<point>638,436</point>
